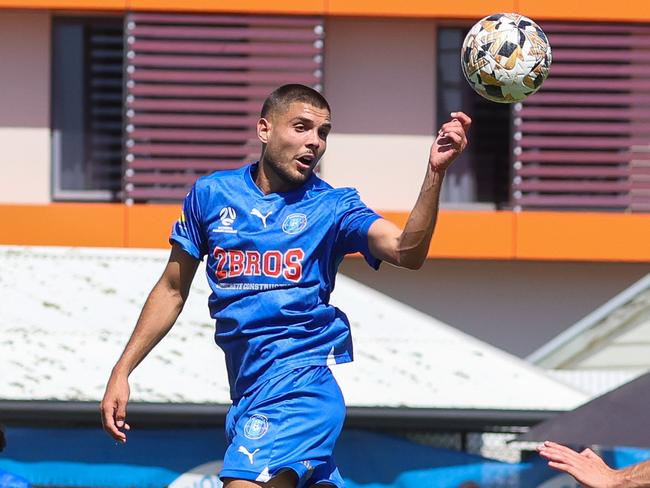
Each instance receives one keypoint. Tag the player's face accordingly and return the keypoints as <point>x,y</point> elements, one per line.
<point>295,141</point>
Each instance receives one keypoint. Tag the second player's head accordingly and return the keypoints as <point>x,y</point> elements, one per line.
<point>293,128</point>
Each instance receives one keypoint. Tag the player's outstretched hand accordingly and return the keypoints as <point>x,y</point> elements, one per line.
<point>586,467</point>
<point>113,407</point>
<point>450,141</point>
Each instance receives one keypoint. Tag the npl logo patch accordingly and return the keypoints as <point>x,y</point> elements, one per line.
<point>256,427</point>
<point>227,216</point>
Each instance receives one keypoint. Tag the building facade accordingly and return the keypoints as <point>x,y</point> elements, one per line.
<point>111,109</point>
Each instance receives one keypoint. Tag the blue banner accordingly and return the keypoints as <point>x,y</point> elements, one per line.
<point>191,458</point>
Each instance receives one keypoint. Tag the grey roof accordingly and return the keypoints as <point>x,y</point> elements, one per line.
<point>614,419</point>
<point>66,314</point>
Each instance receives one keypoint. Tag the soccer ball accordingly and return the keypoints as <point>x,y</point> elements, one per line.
<point>505,57</point>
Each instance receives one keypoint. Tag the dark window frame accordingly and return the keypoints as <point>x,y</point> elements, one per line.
<point>80,178</point>
<point>488,161</point>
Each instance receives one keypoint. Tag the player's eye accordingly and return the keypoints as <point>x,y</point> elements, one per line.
<point>299,127</point>
<point>323,134</point>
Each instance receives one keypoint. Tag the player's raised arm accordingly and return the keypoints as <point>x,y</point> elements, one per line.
<point>158,315</point>
<point>408,248</point>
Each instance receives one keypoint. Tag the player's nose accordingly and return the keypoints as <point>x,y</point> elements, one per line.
<point>313,141</point>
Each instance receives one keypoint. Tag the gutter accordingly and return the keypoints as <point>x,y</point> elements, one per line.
<point>157,415</point>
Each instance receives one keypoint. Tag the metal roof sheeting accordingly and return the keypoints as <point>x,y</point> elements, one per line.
<point>66,314</point>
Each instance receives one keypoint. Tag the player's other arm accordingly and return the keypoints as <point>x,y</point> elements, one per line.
<point>591,471</point>
<point>408,247</point>
<point>636,476</point>
<point>160,311</point>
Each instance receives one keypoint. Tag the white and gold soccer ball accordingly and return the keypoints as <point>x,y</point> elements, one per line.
<point>505,57</point>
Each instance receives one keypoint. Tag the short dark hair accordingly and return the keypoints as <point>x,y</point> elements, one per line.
<point>282,97</point>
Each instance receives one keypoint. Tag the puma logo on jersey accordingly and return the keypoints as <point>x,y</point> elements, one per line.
<point>257,213</point>
<point>272,264</point>
<point>249,454</point>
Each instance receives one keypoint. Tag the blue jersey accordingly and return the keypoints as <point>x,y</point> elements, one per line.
<point>271,265</point>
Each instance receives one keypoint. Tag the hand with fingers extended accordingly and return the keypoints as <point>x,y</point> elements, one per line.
<point>586,467</point>
<point>113,407</point>
<point>450,141</point>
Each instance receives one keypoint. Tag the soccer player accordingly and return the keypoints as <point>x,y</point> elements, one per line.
<point>274,235</point>
<point>591,471</point>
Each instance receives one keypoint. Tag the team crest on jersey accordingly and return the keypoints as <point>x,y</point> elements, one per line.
<point>256,427</point>
<point>294,223</point>
<point>227,217</point>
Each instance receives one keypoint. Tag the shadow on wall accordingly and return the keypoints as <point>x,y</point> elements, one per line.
<point>379,75</point>
<point>504,303</point>
<point>25,53</point>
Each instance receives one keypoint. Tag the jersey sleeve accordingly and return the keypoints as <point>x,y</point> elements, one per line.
<point>187,231</point>
<point>355,219</point>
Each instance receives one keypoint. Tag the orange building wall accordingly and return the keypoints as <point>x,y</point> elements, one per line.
<point>596,10</point>
<point>557,236</point>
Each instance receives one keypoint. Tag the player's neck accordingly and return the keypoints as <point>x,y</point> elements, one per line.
<point>268,181</point>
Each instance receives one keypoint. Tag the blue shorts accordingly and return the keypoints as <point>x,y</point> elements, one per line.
<point>290,422</point>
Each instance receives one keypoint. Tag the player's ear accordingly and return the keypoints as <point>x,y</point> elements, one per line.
<point>263,130</point>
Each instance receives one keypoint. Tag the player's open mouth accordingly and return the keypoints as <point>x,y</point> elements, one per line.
<point>305,161</point>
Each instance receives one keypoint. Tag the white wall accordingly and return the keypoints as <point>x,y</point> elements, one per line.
<point>379,80</point>
<point>25,107</point>
<point>517,306</point>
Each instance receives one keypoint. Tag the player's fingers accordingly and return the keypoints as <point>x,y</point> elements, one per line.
<point>454,125</point>
<point>550,454</point>
<point>589,454</point>
<point>455,128</point>
<point>463,118</point>
<point>106,413</point>
<point>108,421</point>
<point>120,414</point>
<point>563,467</point>
<point>559,447</point>
<point>555,454</point>
<point>554,444</point>
<point>454,138</point>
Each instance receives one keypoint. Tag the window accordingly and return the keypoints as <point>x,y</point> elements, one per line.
<point>87,124</point>
<point>194,88</point>
<point>143,106</point>
<point>481,176</point>
<point>581,142</point>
